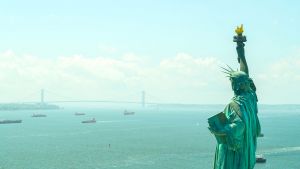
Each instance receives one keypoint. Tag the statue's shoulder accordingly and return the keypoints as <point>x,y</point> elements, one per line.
<point>236,107</point>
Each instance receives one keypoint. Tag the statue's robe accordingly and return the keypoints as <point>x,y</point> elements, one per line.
<point>241,133</point>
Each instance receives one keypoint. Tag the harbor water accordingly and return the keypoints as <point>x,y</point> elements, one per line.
<point>153,138</point>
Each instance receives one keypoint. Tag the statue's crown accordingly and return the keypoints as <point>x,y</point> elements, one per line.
<point>235,75</point>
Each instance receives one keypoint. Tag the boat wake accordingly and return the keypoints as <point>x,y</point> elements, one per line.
<point>280,150</point>
<point>116,121</point>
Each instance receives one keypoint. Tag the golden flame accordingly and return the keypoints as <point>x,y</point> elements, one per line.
<point>239,30</point>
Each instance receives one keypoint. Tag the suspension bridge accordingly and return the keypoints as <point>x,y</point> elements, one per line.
<point>42,100</point>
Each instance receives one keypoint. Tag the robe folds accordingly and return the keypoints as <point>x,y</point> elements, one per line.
<point>241,134</point>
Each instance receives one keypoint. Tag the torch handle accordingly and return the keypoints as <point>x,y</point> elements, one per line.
<point>240,39</point>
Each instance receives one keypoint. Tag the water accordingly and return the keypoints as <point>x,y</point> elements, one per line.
<point>165,138</point>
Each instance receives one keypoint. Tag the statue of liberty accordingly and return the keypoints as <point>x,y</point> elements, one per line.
<point>242,127</point>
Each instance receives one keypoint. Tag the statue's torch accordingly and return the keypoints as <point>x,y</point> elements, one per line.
<point>240,39</point>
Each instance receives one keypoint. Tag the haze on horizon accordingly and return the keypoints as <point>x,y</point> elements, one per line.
<point>173,50</point>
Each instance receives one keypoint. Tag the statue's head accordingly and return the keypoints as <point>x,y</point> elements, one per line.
<point>240,81</point>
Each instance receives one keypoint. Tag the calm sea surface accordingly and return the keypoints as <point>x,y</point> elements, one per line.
<point>153,138</point>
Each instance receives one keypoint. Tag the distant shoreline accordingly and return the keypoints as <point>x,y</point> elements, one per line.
<point>221,106</point>
<point>27,106</point>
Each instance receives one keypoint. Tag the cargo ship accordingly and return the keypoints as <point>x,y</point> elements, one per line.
<point>128,112</point>
<point>39,115</point>
<point>260,159</point>
<point>10,121</point>
<point>89,121</point>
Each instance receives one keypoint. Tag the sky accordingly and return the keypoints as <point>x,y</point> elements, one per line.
<point>172,50</point>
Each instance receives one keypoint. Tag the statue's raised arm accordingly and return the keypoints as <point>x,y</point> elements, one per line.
<point>237,127</point>
<point>240,39</point>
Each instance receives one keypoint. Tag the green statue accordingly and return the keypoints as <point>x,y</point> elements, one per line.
<point>241,127</point>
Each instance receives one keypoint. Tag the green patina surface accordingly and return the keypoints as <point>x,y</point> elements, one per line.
<point>243,127</point>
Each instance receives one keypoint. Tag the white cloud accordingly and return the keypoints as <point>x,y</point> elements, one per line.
<point>279,82</point>
<point>182,79</point>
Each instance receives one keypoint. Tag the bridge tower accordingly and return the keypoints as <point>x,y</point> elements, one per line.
<point>42,96</point>
<point>143,98</point>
